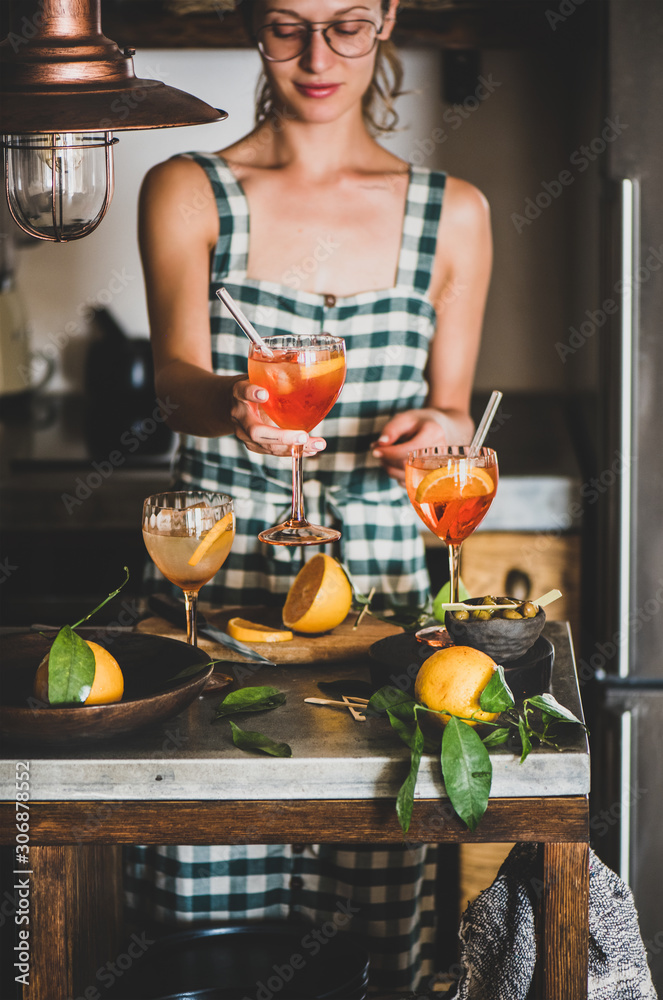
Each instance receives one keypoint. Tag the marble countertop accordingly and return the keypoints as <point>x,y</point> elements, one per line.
<point>334,756</point>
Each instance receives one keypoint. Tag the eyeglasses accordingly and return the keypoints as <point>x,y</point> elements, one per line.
<point>279,42</point>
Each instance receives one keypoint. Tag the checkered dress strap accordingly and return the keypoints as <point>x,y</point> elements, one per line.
<point>232,249</point>
<point>420,228</point>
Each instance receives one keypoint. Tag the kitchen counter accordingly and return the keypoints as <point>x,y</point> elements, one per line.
<point>186,783</point>
<point>333,755</point>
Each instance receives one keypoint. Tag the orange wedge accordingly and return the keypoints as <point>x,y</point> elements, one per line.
<point>212,536</point>
<point>240,628</point>
<point>320,596</point>
<point>321,368</point>
<point>443,485</point>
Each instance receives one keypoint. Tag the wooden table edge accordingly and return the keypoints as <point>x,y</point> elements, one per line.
<point>562,819</point>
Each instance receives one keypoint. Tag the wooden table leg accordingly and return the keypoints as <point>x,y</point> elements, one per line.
<point>75,920</point>
<point>565,929</point>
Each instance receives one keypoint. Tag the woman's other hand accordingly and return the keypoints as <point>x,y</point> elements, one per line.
<point>258,432</point>
<point>412,429</point>
<point>405,432</point>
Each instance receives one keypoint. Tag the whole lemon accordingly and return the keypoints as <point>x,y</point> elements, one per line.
<point>453,679</point>
<point>108,684</point>
<point>320,596</point>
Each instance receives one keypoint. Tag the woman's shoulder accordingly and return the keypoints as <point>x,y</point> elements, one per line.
<point>464,203</point>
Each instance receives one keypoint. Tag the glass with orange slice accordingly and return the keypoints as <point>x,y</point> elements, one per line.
<point>451,492</point>
<point>188,535</point>
<point>304,375</point>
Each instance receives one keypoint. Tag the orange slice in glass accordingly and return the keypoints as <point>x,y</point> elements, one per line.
<point>212,536</point>
<point>321,368</point>
<point>245,631</point>
<point>443,485</point>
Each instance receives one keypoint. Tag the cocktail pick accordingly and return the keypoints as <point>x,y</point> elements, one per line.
<point>486,421</point>
<point>244,324</point>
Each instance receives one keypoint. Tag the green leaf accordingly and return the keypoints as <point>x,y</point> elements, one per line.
<point>466,770</point>
<point>405,798</point>
<point>551,706</point>
<point>195,668</point>
<point>496,738</point>
<point>388,698</point>
<point>405,727</point>
<point>71,669</point>
<point>444,597</point>
<point>250,699</point>
<point>524,739</point>
<point>497,696</point>
<point>247,740</point>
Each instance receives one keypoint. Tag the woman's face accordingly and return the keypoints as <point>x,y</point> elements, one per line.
<point>319,85</point>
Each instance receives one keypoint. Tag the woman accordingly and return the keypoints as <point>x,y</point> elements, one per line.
<point>347,238</point>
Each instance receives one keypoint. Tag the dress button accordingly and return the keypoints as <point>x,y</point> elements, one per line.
<point>296,882</point>
<point>297,848</point>
<point>330,301</point>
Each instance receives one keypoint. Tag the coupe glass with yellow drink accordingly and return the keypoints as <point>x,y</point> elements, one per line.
<point>188,535</point>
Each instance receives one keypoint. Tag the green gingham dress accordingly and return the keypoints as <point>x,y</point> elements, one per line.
<point>387,892</point>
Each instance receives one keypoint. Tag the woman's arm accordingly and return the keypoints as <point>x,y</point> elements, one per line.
<point>178,231</point>
<point>459,287</point>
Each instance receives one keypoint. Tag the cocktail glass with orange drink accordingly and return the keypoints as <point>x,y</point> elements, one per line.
<point>304,376</point>
<point>451,492</point>
<point>188,535</point>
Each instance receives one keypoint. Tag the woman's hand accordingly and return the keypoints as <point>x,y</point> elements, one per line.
<point>412,429</point>
<point>405,432</point>
<point>260,434</point>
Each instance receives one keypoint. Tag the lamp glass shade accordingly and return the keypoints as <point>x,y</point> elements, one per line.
<point>59,185</point>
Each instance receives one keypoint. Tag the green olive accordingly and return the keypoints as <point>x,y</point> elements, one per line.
<point>511,615</point>
<point>528,610</point>
<point>481,615</point>
<point>461,616</point>
<point>489,600</point>
<point>508,600</point>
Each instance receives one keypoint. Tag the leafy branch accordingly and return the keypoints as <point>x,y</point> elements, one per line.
<point>71,662</point>
<point>464,759</point>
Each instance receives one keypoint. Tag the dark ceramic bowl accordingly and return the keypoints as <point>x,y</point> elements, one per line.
<point>503,639</point>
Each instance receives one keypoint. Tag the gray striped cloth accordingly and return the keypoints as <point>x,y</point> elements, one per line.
<point>498,950</point>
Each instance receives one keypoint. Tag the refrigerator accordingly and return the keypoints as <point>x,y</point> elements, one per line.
<point>621,651</point>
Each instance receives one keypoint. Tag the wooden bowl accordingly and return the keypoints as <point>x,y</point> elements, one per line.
<point>502,639</point>
<point>149,664</point>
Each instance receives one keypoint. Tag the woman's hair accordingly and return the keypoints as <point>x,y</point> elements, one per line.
<point>378,108</point>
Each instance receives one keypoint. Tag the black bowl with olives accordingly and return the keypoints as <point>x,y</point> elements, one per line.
<point>503,635</point>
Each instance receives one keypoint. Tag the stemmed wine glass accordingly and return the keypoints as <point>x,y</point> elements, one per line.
<point>451,492</point>
<point>188,534</point>
<point>304,375</point>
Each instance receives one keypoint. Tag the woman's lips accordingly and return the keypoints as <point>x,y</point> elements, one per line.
<point>317,89</point>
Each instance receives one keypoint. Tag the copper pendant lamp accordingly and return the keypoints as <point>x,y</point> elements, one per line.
<point>65,89</point>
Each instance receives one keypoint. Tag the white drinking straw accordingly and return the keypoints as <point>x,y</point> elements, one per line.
<point>486,421</point>
<point>224,295</point>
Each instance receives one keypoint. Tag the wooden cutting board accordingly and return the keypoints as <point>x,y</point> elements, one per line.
<point>342,643</point>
